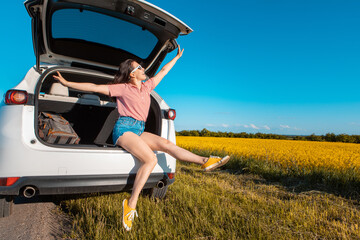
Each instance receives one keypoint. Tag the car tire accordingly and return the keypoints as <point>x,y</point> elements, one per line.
<point>156,192</point>
<point>6,206</point>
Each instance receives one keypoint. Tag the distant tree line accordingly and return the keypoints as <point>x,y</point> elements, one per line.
<point>329,137</point>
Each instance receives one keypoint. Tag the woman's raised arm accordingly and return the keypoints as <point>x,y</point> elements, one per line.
<point>161,74</point>
<point>88,87</point>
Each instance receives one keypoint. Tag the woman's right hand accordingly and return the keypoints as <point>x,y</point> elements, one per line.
<point>84,86</point>
<point>60,78</point>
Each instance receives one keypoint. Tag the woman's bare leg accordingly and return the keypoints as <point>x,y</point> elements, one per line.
<point>157,143</point>
<point>139,148</point>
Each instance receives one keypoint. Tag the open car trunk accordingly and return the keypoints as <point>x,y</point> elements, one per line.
<point>91,115</point>
<point>102,33</point>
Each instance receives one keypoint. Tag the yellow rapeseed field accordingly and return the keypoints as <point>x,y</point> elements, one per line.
<point>286,153</point>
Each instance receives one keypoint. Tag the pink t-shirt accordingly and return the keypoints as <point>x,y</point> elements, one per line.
<point>132,102</point>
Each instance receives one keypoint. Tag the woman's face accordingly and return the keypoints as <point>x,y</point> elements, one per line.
<point>138,71</point>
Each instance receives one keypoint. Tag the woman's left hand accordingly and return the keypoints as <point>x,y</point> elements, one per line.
<point>180,52</point>
<point>161,74</point>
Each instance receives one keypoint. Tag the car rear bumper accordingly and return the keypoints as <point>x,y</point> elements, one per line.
<point>57,185</point>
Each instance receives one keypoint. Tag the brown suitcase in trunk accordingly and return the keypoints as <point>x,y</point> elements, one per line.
<point>53,128</point>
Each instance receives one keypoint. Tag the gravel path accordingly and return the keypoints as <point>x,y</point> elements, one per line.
<point>35,219</point>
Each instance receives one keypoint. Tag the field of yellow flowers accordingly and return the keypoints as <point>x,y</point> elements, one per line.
<point>299,156</point>
<point>270,189</point>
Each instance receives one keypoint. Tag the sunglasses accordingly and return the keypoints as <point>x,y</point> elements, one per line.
<point>138,67</point>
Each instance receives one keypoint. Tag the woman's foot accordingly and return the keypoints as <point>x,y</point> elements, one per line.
<point>128,215</point>
<point>214,162</point>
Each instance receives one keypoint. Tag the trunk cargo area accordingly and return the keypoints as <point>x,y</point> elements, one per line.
<point>91,115</point>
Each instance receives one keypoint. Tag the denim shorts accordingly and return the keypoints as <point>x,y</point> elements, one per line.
<point>127,124</point>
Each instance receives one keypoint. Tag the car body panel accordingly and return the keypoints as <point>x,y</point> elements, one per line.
<point>72,184</point>
<point>34,158</point>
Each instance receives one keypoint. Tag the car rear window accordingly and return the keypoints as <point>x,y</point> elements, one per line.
<point>102,29</point>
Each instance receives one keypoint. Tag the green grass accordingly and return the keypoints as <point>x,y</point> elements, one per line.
<point>226,204</point>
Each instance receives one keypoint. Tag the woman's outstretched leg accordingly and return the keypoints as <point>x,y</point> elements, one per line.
<point>157,143</point>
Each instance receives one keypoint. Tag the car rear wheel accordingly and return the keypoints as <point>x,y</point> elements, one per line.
<point>6,206</point>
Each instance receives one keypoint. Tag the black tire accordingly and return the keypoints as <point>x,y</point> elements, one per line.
<point>156,192</point>
<point>6,206</point>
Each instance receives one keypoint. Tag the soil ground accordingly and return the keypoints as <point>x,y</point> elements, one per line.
<point>37,218</point>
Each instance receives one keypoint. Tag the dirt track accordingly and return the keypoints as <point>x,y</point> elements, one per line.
<point>35,219</point>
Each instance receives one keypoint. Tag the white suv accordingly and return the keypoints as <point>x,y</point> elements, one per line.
<point>85,40</point>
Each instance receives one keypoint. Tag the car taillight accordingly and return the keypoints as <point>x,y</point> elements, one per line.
<point>171,175</point>
<point>171,114</point>
<point>6,182</point>
<point>16,97</point>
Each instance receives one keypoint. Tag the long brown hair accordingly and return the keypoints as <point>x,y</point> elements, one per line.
<point>123,73</point>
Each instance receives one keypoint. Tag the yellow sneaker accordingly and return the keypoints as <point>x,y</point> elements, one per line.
<point>214,162</point>
<point>128,215</point>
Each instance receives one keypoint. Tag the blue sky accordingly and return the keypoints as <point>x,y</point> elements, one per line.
<point>285,67</point>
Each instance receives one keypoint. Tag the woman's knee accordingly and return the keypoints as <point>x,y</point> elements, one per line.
<point>151,160</point>
<point>137,147</point>
<point>166,145</point>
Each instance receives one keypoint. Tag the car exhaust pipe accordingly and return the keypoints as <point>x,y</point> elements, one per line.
<point>160,184</point>
<point>29,192</point>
